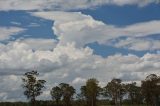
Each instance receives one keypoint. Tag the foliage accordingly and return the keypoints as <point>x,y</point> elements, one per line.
<point>151,89</point>
<point>67,93</point>
<point>114,93</point>
<point>134,93</point>
<point>33,86</point>
<point>90,91</point>
<point>115,90</point>
<point>56,94</point>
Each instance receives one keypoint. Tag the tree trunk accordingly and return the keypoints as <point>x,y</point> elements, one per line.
<point>115,101</point>
<point>157,100</point>
<point>131,96</point>
<point>57,102</point>
<point>92,102</point>
<point>33,101</point>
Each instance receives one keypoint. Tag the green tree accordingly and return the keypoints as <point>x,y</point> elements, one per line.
<point>115,90</point>
<point>134,93</point>
<point>67,93</point>
<point>84,94</point>
<point>33,86</point>
<point>80,100</point>
<point>56,94</point>
<point>91,91</point>
<point>151,89</point>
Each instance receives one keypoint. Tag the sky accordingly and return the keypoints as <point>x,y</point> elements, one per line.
<point>76,40</point>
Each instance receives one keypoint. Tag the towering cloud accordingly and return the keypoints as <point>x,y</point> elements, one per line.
<point>83,29</point>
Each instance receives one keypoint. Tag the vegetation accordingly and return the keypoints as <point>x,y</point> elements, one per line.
<point>134,93</point>
<point>115,90</point>
<point>32,86</point>
<point>91,91</point>
<point>114,93</point>
<point>56,94</point>
<point>67,93</point>
<point>151,89</point>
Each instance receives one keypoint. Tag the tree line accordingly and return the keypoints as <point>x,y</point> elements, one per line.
<point>91,94</point>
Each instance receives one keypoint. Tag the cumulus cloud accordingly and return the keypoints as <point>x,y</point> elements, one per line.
<point>7,32</point>
<point>10,85</point>
<point>38,43</point>
<point>78,80</point>
<point>67,63</point>
<point>83,29</point>
<point>66,5</point>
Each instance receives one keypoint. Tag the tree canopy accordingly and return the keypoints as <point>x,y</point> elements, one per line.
<point>32,86</point>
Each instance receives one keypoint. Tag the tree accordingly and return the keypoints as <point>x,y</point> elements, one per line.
<point>67,93</point>
<point>80,100</point>
<point>56,94</point>
<point>84,94</point>
<point>91,91</point>
<point>151,89</point>
<point>33,86</point>
<point>134,93</point>
<point>115,90</point>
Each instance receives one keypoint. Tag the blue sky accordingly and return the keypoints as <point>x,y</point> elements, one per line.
<point>114,15</point>
<point>125,15</point>
<point>122,16</point>
<point>104,39</point>
<point>25,20</point>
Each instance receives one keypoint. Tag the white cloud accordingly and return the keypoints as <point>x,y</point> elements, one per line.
<point>27,59</point>
<point>143,29</point>
<point>69,64</point>
<point>10,88</point>
<point>138,44</point>
<point>133,2</point>
<point>15,23</point>
<point>78,80</point>
<point>7,32</point>
<point>83,29</point>
<point>39,43</point>
<point>66,5</point>
<point>33,25</point>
